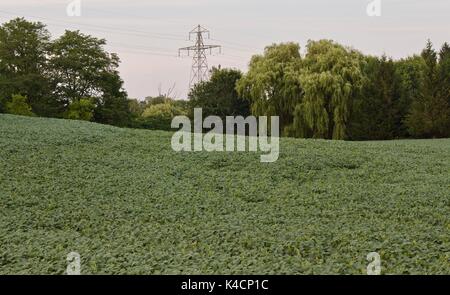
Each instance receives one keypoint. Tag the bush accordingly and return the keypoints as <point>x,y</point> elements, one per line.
<point>159,116</point>
<point>82,109</point>
<point>19,106</point>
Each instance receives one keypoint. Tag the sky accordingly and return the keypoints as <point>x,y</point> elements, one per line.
<point>146,34</point>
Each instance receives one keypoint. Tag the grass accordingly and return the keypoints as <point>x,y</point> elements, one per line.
<point>129,204</point>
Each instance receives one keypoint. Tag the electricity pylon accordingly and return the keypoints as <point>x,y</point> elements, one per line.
<point>200,70</point>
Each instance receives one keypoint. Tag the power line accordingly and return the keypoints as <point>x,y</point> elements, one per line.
<point>103,28</point>
<point>142,51</point>
<point>140,16</point>
<point>237,46</point>
<point>146,34</point>
<point>130,48</point>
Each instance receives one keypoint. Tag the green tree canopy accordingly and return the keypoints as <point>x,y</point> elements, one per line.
<point>331,77</point>
<point>271,83</point>
<point>81,68</point>
<point>429,114</point>
<point>159,116</point>
<point>19,106</point>
<point>82,109</point>
<point>23,70</point>
<point>444,73</point>
<point>218,96</point>
<point>79,64</point>
<point>378,110</point>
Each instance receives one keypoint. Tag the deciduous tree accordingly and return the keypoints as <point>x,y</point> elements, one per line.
<point>331,77</point>
<point>218,96</point>
<point>271,83</point>
<point>23,65</point>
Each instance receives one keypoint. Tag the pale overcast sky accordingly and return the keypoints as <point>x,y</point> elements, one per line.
<point>147,34</point>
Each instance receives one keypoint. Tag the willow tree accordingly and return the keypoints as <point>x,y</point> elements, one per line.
<point>271,84</point>
<point>330,77</point>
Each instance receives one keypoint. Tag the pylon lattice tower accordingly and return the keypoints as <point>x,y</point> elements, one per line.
<point>200,70</point>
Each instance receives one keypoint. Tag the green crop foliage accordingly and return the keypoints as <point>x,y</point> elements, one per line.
<point>130,205</point>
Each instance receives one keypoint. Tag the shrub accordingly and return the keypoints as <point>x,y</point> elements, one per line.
<point>19,106</point>
<point>82,109</point>
<point>159,116</point>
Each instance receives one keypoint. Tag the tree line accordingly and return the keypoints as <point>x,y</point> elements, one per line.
<point>71,77</point>
<point>331,91</point>
<point>336,92</point>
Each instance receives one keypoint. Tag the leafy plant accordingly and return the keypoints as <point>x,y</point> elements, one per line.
<point>82,109</point>
<point>129,204</point>
<point>19,106</point>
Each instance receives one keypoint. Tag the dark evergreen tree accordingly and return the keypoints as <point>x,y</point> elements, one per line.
<point>429,114</point>
<point>376,111</point>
